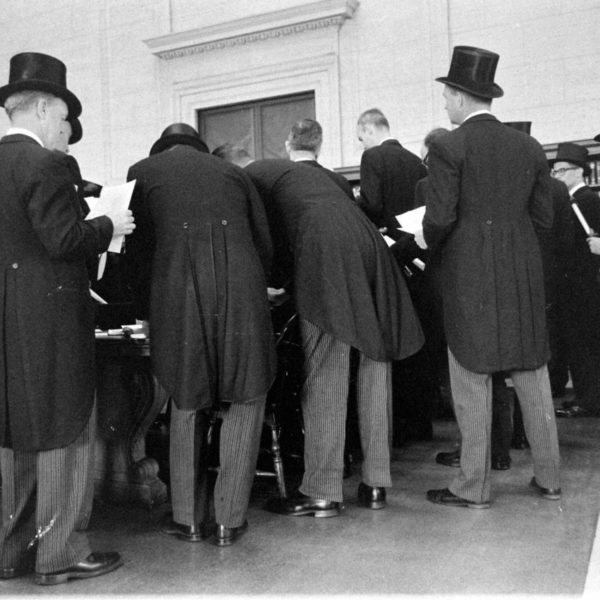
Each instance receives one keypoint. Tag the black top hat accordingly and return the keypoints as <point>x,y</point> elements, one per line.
<point>574,154</point>
<point>76,130</point>
<point>524,126</point>
<point>40,72</point>
<point>178,133</point>
<point>472,70</point>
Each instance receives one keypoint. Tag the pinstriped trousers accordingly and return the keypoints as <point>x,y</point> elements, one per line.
<point>43,495</point>
<point>324,406</point>
<point>472,396</point>
<point>238,452</point>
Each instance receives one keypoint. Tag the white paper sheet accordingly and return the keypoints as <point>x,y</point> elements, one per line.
<point>112,198</point>
<point>412,220</point>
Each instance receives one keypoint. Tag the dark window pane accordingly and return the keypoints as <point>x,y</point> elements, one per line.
<point>260,126</point>
<point>276,121</point>
<point>228,125</point>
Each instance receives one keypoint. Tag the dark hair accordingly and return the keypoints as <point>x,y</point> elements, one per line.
<point>433,135</point>
<point>306,134</point>
<point>374,117</point>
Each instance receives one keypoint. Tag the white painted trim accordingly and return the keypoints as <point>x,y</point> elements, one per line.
<point>318,74</point>
<point>314,15</point>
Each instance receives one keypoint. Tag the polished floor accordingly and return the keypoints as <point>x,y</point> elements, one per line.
<point>522,546</point>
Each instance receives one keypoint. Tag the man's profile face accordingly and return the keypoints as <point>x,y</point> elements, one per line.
<point>568,173</point>
<point>63,139</point>
<point>55,127</point>
<point>366,136</point>
<point>452,105</point>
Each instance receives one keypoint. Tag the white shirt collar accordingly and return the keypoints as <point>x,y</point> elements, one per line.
<point>22,131</point>
<point>576,187</point>
<point>476,113</point>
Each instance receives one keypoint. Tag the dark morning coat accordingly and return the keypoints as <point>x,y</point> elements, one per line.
<point>47,367</point>
<point>488,185</point>
<point>578,294</point>
<point>388,176</point>
<point>199,258</point>
<point>346,281</point>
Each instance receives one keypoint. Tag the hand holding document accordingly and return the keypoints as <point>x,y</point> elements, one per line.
<point>412,222</point>
<point>114,203</point>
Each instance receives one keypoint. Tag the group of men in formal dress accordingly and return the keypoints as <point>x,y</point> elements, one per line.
<point>212,239</point>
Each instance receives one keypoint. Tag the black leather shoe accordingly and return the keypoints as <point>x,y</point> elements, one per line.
<point>97,563</point>
<point>12,572</point>
<point>447,498</point>
<point>371,497</point>
<point>225,536</point>
<point>570,411</point>
<point>547,493</point>
<point>448,459</point>
<point>500,463</point>
<point>188,533</point>
<point>299,505</point>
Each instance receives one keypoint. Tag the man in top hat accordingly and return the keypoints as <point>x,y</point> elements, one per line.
<point>47,366</point>
<point>578,286</point>
<point>199,262</point>
<point>488,186</point>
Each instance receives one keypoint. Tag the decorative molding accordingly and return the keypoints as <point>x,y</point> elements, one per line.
<point>266,26</point>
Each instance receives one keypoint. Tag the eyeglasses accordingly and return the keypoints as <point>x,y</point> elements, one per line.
<point>555,172</point>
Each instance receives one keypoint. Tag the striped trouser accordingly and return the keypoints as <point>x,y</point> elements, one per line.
<point>43,497</point>
<point>238,451</point>
<point>324,406</point>
<point>472,396</point>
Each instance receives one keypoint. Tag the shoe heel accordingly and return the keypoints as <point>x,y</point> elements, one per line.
<point>329,512</point>
<point>43,579</point>
<point>480,505</point>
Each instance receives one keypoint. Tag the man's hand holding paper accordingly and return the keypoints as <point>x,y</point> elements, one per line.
<point>411,221</point>
<point>114,204</point>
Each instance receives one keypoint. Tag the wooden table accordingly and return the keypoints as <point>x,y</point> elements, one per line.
<point>128,401</point>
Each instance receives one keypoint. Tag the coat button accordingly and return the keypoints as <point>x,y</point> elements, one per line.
<point>15,265</point>
<point>185,225</point>
<point>224,222</point>
<point>488,222</point>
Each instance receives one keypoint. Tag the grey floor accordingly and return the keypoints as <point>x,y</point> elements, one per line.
<point>523,545</point>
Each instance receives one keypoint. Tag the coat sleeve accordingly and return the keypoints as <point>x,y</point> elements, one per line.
<point>55,212</point>
<point>443,192</point>
<point>540,204</point>
<point>140,248</point>
<point>371,187</point>
<point>260,226</point>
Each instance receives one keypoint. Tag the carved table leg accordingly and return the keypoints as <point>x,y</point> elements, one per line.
<point>128,400</point>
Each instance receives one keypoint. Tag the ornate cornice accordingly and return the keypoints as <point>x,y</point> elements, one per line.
<point>276,24</point>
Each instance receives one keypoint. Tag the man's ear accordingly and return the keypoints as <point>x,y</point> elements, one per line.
<point>41,108</point>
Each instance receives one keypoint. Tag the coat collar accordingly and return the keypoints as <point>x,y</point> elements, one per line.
<point>478,118</point>
<point>18,137</point>
<point>391,142</point>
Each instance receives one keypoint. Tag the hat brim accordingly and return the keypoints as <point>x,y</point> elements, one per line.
<point>38,85</point>
<point>495,92</point>
<point>172,140</point>
<point>76,131</point>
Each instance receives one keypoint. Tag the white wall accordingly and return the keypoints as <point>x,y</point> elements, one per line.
<point>387,55</point>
